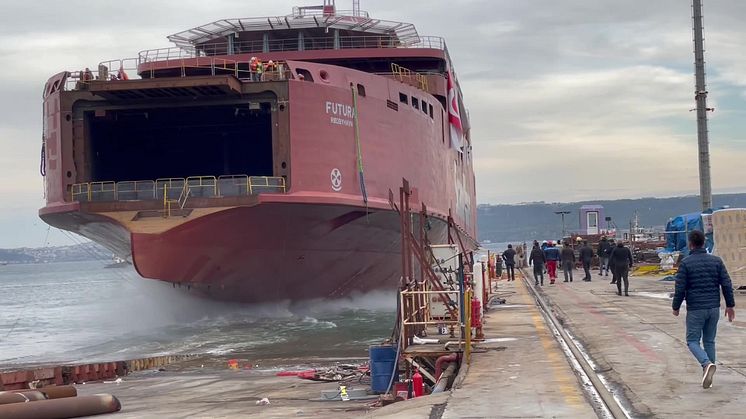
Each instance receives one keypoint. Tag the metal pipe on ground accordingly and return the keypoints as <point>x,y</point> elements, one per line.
<point>440,386</point>
<point>7,397</point>
<point>69,407</point>
<point>59,392</point>
<point>443,359</point>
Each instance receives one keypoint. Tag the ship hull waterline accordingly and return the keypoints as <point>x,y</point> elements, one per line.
<point>267,252</point>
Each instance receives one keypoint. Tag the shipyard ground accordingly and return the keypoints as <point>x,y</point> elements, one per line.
<point>635,343</point>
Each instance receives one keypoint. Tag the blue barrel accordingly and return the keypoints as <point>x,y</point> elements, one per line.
<point>382,365</point>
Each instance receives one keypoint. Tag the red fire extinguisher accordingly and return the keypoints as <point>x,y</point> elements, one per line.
<point>418,386</point>
<point>476,313</point>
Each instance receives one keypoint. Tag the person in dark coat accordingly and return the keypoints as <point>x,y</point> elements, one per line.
<point>509,258</point>
<point>604,249</point>
<point>700,279</point>
<point>538,260</point>
<point>610,262</point>
<point>568,260</point>
<point>586,256</point>
<point>621,260</point>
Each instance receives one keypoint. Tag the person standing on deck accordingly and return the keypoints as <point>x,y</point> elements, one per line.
<point>525,255</point>
<point>552,256</point>
<point>603,256</point>
<point>586,256</point>
<point>538,260</point>
<point>568,260</point>
<point>509,258</point>
<point>610,263</point>
<point>520,254</point>
<point>621,260</point>
<point>699,281</point>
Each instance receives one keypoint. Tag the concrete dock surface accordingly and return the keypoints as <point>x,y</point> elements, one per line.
<point>640,346</point>
<point>635,343</point>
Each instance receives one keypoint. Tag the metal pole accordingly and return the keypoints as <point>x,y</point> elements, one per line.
<point>562,214</point>
<point>700,95</point>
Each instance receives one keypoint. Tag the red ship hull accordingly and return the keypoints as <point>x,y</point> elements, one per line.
<point>271,251</point>
<point>278,251</point>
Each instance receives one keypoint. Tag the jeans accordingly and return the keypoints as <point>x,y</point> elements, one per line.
<point>702,325</point>
<point>539,273</point>
<point>567,269</point>
<point>604,264</point>
<point>587,269</point>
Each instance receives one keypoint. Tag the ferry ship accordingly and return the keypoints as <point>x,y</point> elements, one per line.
<point>254,159</point>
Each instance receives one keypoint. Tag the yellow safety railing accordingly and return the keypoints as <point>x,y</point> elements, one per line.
<point>270,182</point>
<point>404,74</point>
<point>131,190</point>
<point>203,182</point>
<point>177,190</point>
<point>99,189</point>
<point>423,299</point>
<point>80,189</point>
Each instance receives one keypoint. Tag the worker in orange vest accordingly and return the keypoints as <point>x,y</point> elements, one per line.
<point>121,74</point>
<point>253,67</point>
<point>259,70</point>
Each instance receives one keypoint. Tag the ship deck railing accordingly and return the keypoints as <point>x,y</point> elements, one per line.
<point>110,71</point>
<point>177,189</point>
<point>286,45</point>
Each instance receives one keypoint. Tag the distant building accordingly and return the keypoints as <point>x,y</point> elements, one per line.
<point>592,220</point>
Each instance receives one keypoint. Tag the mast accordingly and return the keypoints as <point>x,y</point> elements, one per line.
<point>700,95</point>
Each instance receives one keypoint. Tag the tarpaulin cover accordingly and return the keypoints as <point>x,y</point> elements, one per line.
<point>678,228</point>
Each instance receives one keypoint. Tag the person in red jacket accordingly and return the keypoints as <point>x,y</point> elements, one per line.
<point>552,256</point>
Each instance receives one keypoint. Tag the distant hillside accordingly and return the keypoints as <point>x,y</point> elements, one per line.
<point>78,252</point>
<point>501,223</point>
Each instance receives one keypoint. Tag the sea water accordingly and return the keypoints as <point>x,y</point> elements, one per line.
<point>80,312</point>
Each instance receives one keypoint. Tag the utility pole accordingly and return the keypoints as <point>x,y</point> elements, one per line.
<point>562,214</point>
<point>700,95</point>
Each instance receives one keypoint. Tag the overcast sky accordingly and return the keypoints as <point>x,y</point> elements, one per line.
<point>569,100</point>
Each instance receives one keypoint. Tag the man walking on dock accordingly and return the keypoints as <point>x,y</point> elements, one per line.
<point>538,260</point>
<point>509,258</point>
<point>699,281</point>
<point>621,260</point>
<point>568,260</point>
<point>586,256</point>
<point>552,256</point>
<point>604,248</point>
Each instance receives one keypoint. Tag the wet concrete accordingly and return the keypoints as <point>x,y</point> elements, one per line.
<point>217,392</point>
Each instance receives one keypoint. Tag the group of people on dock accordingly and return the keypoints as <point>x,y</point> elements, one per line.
<point>700,280</point>
<point>547,257</point>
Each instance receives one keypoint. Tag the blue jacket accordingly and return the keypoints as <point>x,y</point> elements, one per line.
<point>699,280</point>
<point>552,253</point>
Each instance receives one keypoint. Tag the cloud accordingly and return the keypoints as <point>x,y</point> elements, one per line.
<point>568,100</point>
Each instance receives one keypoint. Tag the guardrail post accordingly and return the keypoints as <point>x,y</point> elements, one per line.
<point>166,206</point>
<point>467,309</point>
